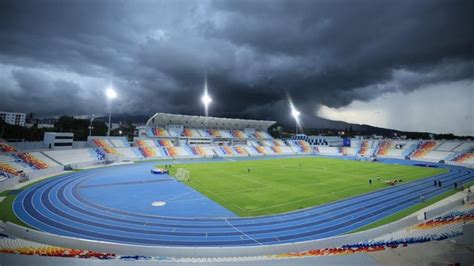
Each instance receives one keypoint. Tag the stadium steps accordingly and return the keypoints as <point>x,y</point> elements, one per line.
<point>460,143</point>
<point>51,158</point>
<point>439,144</point>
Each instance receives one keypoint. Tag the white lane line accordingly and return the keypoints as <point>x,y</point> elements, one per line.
<point>236,229</point>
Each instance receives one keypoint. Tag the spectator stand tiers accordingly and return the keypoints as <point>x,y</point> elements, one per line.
<point>5,147</point>
<point>183,136</point>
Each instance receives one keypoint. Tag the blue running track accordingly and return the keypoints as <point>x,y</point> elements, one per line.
<point>114,204</point>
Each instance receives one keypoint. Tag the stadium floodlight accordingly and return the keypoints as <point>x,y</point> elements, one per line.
<point>111,94</point>
<point>296,114</point>
<point>206,99</point>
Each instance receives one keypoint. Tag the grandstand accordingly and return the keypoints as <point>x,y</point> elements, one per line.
<point>176,138</point>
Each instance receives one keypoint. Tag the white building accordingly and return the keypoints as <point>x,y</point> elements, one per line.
<point>58,140</point>
<point>17,119</point>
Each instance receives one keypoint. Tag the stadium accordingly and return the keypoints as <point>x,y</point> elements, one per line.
<point>236,132</point>
<point>230,190</point>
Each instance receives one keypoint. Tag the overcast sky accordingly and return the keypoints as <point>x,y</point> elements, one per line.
<point>345,60</point>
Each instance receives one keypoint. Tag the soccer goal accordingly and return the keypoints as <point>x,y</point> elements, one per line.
<point>182,174</point>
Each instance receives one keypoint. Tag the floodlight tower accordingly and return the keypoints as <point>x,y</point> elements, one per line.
<point>296,114</point>
<point>111,94</point>
<point>206,99</point>
<point>90,126</point>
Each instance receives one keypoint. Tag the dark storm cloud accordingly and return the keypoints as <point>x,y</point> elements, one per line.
<point>57,56</point>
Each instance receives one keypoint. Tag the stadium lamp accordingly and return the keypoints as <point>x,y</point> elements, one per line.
<point>111,94</point>
<point>296,114</point>
<point>206,99</point>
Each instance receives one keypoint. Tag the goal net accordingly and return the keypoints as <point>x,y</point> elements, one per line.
<point>182,174</point>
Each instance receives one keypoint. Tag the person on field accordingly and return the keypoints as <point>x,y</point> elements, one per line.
<point>370,181</point>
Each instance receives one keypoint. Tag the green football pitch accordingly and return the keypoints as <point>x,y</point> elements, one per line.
<point>262,187</point>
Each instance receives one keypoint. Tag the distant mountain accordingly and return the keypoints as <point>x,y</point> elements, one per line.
<point>318,125</point>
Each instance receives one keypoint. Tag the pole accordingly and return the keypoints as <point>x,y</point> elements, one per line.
<point>110,119</point>
<point>90,126</point>
<point>296,129</point>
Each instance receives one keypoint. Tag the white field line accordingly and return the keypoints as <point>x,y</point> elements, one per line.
<point>241,191</point>
<point>236,229</point>
<point>212,193</point>
<point>239,176</point>
<point>306,199</point>
<point>307,168</point>
<point>179,196</point>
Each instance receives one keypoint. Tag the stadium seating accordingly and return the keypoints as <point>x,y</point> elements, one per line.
<point>157,132</point>
<point>131,153</point>
<point>4,147</point>
<point>31,160</point>
<point>8,168</point>
<point>464,157</point>
<point>464,146</point>
<point>239,134</point>
<point>165,143</point>
<point>241,151</point>
<point>202,151</point>
<point>300,146</point>
<point>191,133</point>
<point>423,149</point>
<point>119,142</point>
<point>448,145</point>
<point>252,151</point>
<point>98,154</point>
<point>328,150</point>
<point>383,148</point>
<point>366,148</point>
<point>146,143</point>
<point>228,151</point>
<point>204,133</point>
<point>147,152</point>
<point>226,134</point>
<point>262,135</point>
<point>106,145</point>
<point>73,156</point>
<point>214,133</point>
<point>177,152</point>
<point>436,156</point>
<point>4,176</point>
<point>12,164</point>
<point>11,245</point>
<point>266,143</point>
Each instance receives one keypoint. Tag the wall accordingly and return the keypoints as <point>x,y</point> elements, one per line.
<point>125,249</point>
